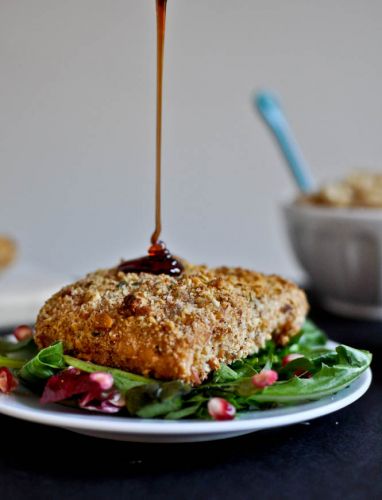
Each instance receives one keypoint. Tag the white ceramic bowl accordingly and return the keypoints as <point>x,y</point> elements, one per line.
<point>341,251</point>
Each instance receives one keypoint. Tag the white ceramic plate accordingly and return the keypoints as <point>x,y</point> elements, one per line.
<point>25,405</point>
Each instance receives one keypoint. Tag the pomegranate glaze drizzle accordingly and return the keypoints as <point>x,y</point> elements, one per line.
<point>159,260</point>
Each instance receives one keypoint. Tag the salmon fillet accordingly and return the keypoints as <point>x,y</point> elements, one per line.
<point>171,328</point>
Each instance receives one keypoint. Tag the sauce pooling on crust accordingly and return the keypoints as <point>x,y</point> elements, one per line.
<point>159,260</point>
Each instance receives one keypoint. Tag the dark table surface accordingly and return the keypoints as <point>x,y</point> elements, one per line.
<point>337,456</point>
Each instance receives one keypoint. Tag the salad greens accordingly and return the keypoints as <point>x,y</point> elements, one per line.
<point>7,347</point>
<point>312,371</point>
<point>44,365</point>
<point>123,380</point>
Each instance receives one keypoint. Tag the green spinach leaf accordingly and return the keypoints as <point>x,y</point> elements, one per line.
<point>123,380</point>
<point>156,399</point>
<point>46,363</point>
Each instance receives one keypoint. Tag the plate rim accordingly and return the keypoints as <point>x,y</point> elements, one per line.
<point>126,425</point>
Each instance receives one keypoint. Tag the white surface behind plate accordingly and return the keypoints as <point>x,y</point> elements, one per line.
<point>77,123</point>
<point>23,290</point>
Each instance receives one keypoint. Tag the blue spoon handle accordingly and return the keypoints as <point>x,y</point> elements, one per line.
<point>273,116</point>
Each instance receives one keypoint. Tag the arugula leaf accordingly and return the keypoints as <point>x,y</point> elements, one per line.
<point>310,338</point>
<point>353,357</point>
<point>326,381</point>
<point>299,365</point>
<point>188,411</point>
<point>225,374</point>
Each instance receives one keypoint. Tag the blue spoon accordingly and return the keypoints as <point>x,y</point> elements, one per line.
<point>273,116</point>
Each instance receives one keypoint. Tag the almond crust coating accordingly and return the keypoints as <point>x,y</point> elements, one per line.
<point>171,328</point>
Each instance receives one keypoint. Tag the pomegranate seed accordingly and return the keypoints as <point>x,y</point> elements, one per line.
<point>300,372</point>
<point>23,332</point>
<point>117,399</point>
<point>104,380</point>
<point>221,409</point>
<point>264,378</point>
<point>8,382</point>
<point>72,382</point>
<point>290,357</point>
<point>113,403</point>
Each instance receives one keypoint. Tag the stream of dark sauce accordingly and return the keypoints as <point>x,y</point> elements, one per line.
<point>161,33</point>
<point>159,259</point>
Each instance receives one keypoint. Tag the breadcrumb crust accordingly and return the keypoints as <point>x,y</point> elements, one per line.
<point>171,328</point>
